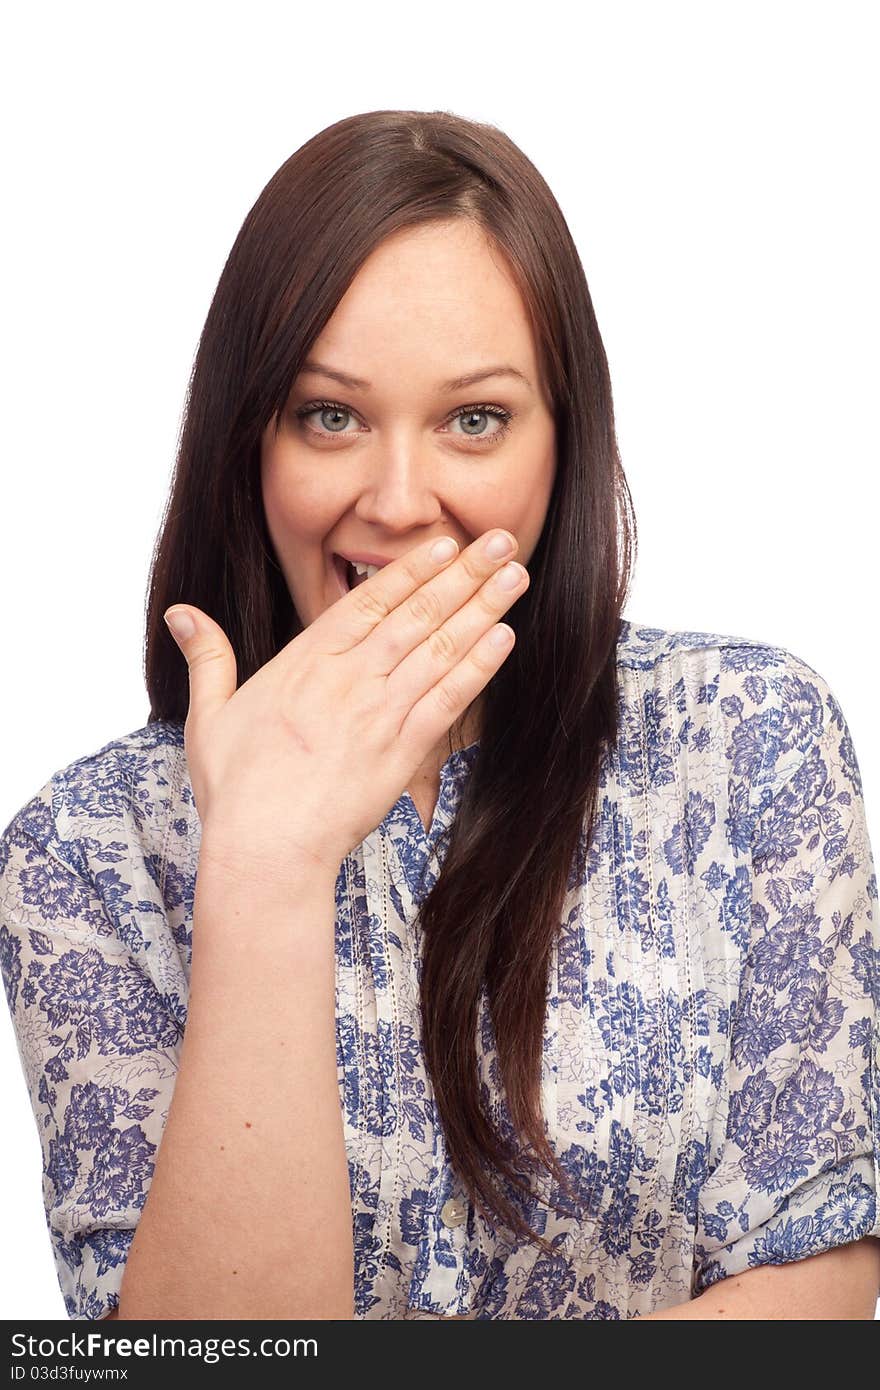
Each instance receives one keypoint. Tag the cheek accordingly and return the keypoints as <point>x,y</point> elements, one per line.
<point>271,487</point>
<point>520,504</point>
<point>277,511</point>
<point>534,498</point>
<point>297,509</point>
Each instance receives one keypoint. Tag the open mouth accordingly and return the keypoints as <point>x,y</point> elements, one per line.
<point>341,567</point>
<point>346,574</point>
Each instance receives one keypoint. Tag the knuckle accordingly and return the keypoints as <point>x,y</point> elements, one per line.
<point>205,657</point>
<point>411,568</point>
<point>491,599</point>
<point>424,606</point>
<point>472,566</point>
<point>448,697</point>
<point>369,604</point>
<point>441,645</point>
<point>481,659</point>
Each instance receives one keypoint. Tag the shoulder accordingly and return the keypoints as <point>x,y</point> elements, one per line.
<point>98,870</point>
<point>139,775</point>
<point>104,848</point>
<point>641,648</point>
<point>762,706</point>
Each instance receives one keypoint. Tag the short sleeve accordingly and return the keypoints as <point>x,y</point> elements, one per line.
<point>98,1046</point>
<point>797,1166</point>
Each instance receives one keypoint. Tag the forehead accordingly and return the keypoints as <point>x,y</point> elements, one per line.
<point>430,301</point>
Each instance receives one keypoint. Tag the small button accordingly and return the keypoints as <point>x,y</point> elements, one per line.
<point>453,1212</point>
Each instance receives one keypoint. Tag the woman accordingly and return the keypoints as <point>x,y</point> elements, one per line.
<point>532,980</point>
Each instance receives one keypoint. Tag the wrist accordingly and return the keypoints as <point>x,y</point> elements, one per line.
<point>261,863</point>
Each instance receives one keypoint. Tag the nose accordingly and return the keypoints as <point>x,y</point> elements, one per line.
<point>399,495</point>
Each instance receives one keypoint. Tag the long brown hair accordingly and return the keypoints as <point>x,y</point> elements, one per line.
<point>551,712</point>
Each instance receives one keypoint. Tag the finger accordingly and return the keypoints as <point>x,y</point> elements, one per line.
<point>443,595</point>
<point>434,714</point>
<point>209,656</point>
<point>357,615</point>
<point>367,607</point>
<point>450,644</point>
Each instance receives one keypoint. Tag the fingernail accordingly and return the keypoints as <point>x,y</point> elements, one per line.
<point>510,576</point>
<point>443,550</point>
<point>180,623</point>
<point>499,545</point>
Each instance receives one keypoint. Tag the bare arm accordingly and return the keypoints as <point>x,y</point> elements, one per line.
<point>249,1209</point>
<point>840,1283</point>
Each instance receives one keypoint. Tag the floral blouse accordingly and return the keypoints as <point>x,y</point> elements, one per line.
<point>711,1063</point>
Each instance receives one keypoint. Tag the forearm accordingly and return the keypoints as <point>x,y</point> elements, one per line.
<point>700,1308</point>
<point>249,1209</point>
<point>839,1283</point>
<point>728,1298</point>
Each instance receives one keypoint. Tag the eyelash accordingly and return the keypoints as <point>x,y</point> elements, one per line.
<point>504,416</point>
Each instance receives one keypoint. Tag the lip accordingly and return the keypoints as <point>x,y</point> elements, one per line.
<point>363,558</point>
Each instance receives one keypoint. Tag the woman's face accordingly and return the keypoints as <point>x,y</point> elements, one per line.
<point>404,455</point>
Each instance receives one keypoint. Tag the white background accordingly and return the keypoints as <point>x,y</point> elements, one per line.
<point>717,165</point>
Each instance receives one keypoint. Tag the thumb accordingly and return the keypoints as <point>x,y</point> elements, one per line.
<point>209,656</point>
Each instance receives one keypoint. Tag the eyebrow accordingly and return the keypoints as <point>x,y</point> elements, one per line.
<point>456,383</point>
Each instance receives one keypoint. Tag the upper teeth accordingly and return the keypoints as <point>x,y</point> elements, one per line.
<point>368,570</point>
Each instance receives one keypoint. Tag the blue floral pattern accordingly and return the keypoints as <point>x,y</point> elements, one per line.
<point>711,1064</point>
